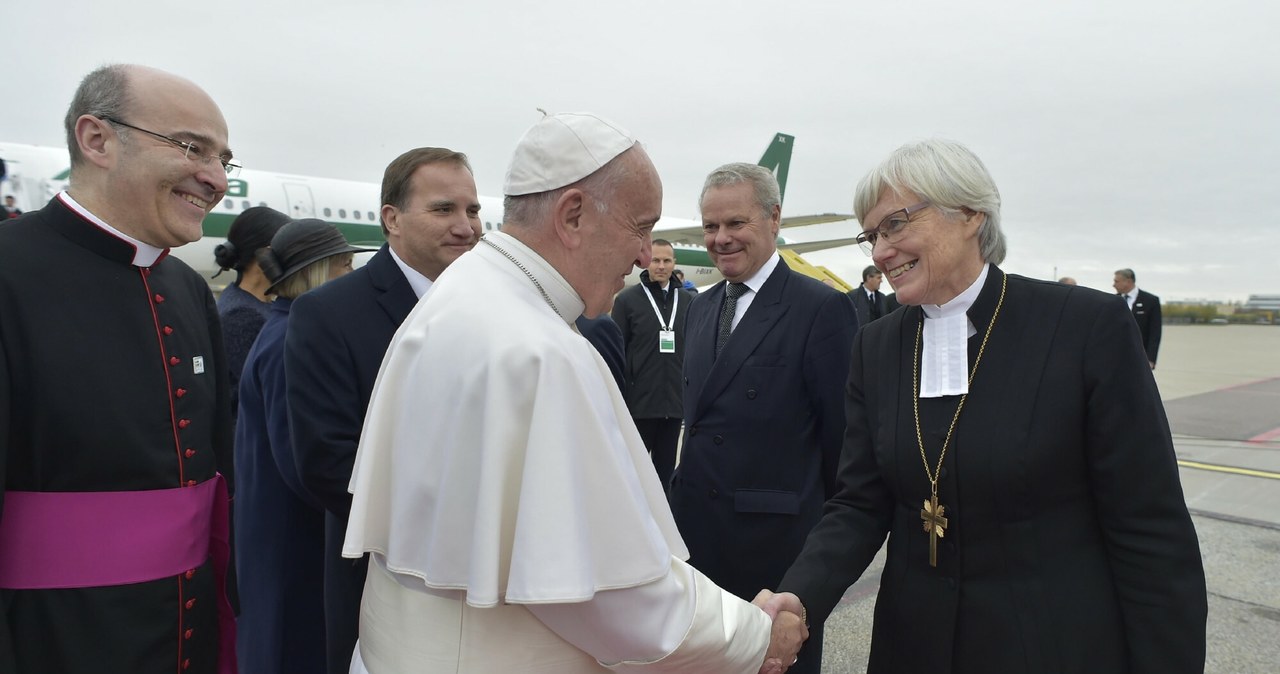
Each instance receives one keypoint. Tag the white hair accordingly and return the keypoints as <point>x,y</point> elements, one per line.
<point>949,176</point>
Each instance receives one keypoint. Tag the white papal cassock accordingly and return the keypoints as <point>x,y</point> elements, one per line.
<point>513,515</point>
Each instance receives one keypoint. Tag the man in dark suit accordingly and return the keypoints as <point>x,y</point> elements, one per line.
<point>868,301</point>
<point>338,335</point>
<point>1146,311</point>
<point>767,353</point>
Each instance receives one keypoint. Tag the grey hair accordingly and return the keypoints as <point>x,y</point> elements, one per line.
<point>102,93</point>
<point>949,176</point>
<point>761,179</point>
<point>1127,273</point>
<point>528,209</point>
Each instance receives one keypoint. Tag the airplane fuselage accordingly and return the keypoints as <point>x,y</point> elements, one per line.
<point>35,174</point>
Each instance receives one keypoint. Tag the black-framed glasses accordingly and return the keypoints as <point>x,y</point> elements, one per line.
<point>189,150</point>
<point>891,227</point>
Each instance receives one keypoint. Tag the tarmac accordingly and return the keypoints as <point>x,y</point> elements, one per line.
<point>1221,389</point>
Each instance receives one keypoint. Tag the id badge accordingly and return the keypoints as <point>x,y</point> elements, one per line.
<point>666,341</point>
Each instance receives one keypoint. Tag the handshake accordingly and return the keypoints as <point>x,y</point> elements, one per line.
<point>790,629</point>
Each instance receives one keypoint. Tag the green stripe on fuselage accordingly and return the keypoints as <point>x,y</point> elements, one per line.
<point>217,225</point>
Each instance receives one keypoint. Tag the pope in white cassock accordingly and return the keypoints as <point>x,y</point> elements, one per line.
<point>513,516</point>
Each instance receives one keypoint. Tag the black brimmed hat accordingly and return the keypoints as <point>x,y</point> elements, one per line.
<point>300,243</point>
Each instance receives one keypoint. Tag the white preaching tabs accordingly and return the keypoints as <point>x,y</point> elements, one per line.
<point>944,361</point>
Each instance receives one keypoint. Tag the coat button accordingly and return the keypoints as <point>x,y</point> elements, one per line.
<point>168,330</point>
<point>751,394</point>
<point>189,453</point>
<point>190,603</point>
<point>180,392</point>
<point>186,663</point>
<point>191,573</point>
<point>719,440</point>
<point>159,298</point>
<point>146,271</point>
<point>183,423</point>
<point>174,360</point>
<point>713,494</point>
<point>187,634</point>
<point>191,483</point>
<point>693,431</point>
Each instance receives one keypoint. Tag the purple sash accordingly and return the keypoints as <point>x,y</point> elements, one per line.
<point>56,540</point>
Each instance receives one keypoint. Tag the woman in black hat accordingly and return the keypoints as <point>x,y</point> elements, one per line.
<point>279,526</point>
<point>242,306</point>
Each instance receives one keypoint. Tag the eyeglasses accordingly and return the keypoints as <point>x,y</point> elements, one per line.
<point>891,227</point>
<point>189,150</point>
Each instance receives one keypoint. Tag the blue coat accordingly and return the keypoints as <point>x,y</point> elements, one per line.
<point>763,428</point>
<point>338,334</point>
<point>279,526</point>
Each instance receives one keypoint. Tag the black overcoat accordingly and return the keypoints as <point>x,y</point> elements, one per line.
<point>1069,548</point>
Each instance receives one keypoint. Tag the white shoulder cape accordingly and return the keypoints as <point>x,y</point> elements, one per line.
<point>498,456</point>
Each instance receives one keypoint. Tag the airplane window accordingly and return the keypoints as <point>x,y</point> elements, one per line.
<point>244,205</point>
<point>327,211</point>
<point>342,212</point>
<point>371,216</point>
<point>262,203</point>
<point>229,203</point>
<point>355,214</point>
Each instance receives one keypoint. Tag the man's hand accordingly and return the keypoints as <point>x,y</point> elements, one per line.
<point>790,629</point>
<point>789,634</point>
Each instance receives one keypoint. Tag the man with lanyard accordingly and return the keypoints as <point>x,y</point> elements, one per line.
<point>115,421</point>
<point>651,315</point>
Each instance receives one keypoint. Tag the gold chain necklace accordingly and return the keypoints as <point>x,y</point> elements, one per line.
<point>932,514</point>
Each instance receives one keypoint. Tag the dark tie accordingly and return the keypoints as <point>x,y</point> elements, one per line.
<point>731,294</point>
<point>875,305</point>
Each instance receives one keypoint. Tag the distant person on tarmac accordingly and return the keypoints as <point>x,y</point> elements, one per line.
<point>1146,311</point>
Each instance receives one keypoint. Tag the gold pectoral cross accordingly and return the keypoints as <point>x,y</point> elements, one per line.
<point>935,525</point>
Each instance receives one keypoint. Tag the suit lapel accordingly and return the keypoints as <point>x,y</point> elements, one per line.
<point>765,310</point>
<point>395,295</point>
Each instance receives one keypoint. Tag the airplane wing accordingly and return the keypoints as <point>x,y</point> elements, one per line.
<point>816,219</point>
<point>810,246</point>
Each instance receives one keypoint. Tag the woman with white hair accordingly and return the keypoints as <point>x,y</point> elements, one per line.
<point>1007,436</point>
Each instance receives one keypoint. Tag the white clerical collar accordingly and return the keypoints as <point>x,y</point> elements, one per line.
<point>762,274</point>
<point>944,363</point>
<point>564,298</point>
<point>420,284</point>
<point>144,254</point>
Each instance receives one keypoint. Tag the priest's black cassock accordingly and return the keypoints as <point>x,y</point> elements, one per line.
<point>112,379</point>
<point>1068,548</point>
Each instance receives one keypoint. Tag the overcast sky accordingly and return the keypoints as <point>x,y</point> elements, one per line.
<point>1121,133</point>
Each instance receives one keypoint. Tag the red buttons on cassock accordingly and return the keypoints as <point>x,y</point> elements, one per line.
<point>191,483</point>
<point>189,453</point>
<point>183,423</point>
<point>190,603</point>
<point>180,392</point>
<point>186,663</point>
<point>174,360</point>
<point>159,298</point>
<point>168,330</point>
<point>191,573</point>
<point>187,634</point>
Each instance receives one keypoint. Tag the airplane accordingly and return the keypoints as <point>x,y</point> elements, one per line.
<point>34,174</point>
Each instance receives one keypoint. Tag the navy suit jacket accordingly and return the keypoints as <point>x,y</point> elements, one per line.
<point>337,336</point>
<point>1146,311</point>
<point>763,427</point>
<point>862,305</point>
